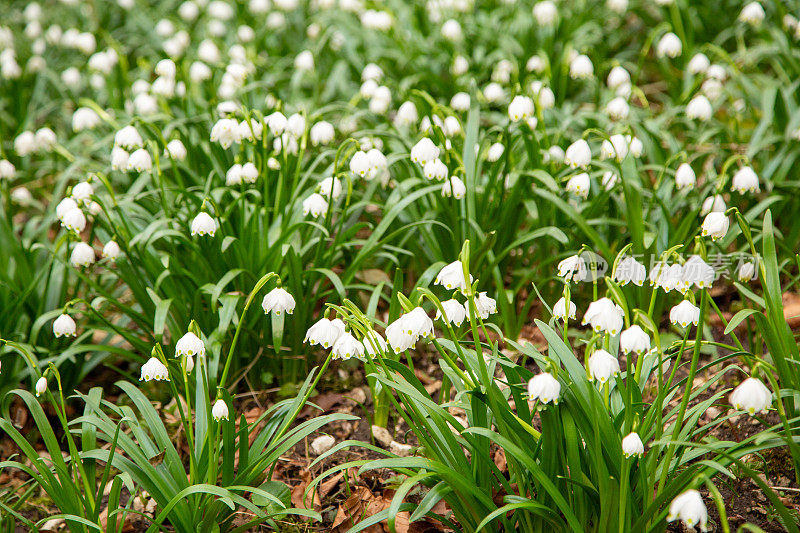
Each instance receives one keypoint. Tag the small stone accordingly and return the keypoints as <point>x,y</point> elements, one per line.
<point>322,444</point>
<point>357,395</point>
<point>382,435</point>
<point>401,450</point>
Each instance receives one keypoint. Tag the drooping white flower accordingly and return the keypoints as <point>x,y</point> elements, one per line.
<point>746,271</point>
<point>544,388</point>
<point>220,410</point>
<point>629,270</point>
<point>330,188</point>
<point>618,108</point>
<point>45,139</point>
<point>699,108</point>
<point>454,312</point>
<point>278,301</point>
<point>190,345</point>
<point>635,340</point>
<point>520,108</point>
<point>451,30</point>
<point>745,180</point>
<point>111,250</point>
<point>140,161</point>
<point>315,205</point>
<point>604,315</point>
<point>347,346</point>
<point>425,150</point>
<point>304,61</point>
<point>374,344</point>
<point>119,159</point>
<point>560,310</point>
<point>128,138</point>
<point>581,67</point>
<point>602,366</point>
<point>715,225</point>
<point>82,255</point>
<point>203,224</point>
<point>453,186</point>
<point>669,46</point>
<point>752,14</point>
<point>226,132</point>
<point>573,268</point>
<point>64,326</point>
<point>545,12</point>
<point>175,149</point>
<point>41,386</point>
<point>685,176</point>
<point>632,445</point>
<point>451,127</point>
<point>495,152</point>
<point>494,93</point>
<point>74,220</point>
<point>25,143</point>
<point>154,369</point>
<point>714,203</point>
<point>324,332</point>
<point>404,332</point>
<point>578,154</point>
<point>406,114</point>
<point>485,305</point>
<point>435,170</point>
<point>684,313</point>
<point>460,101</point>
<point>84,118</point>
<point>698,273</point>
<point>689,508</point>
<point>322,133</point>
<point>752,396</point>
<point>7,169</point>
<point>452,276</point>
<point>296,125</point>
<point>618,77</point>
<point>64,206</point>
<point>579,185</point>
<point>698,64</point>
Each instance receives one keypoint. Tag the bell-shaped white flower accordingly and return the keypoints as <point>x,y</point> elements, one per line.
<point>745,180</point>
<point>684,313</point>
<point>203,224</point>
<point>404,332</point>
<point>629,270</point>
<point>347,346</point>
<point>604,315</point>
<point>330,188</point>
<point>698,273</point>
<point>573,268</point>
<point>304,61</point>
<point>578,154</point>
<point>545,12</point>
<point>82,255</point>
<point>278,301</point>
<point>407,114</point>
<point>560,310</point>
<point>321,133</point>
<point>111,250</point>
<point>435,170</point>
<point>579,185</point>
<point>581,67</point>
<point>602,366</point>
<point>746,271</point>
<point>226,132</point>
<point>544,388</point>
<point>220,410</point>
<point>698,64</point>
<point>140,161</point>
<point>7,169</point>
<point>154,369</point>
<point>685,176</point>
<point>315,205</point>
<point>190,345</point>
<point>494,93</point>
<point>325,332</point>
<point>669,46</point>
<point>74,220</point>
<point>699,108</point>
<point>374,344</point>
<point>454,312</point>
<point>618,77</point>
<point>453,186</point>
<point>82,192</point>
<point>752,14</point>
<point>752,396</point>
<point>84,118</point>
<point>460,102</point>
<point>713,203</point>
<point>425,150</point>
<point>618,108</point>
<point>175,149</point>
<point>520,108</point>
<point>128,138</point>
<point>632,445</point>
<point>715,225</point>
<point>64,326</point>
<point>452,277</point>
<point>65,206</point>
<point>485,305</point>
<point>119,159</point>
<point>688,507</point>
<point>41,386</point>
<point>495,152</point>
<point>635,340</point>
<point>276,122</point>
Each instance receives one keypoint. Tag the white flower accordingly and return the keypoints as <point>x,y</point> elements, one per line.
<point>21,195</point>
<point>330,187</point>
<point>669,46</point>
<point>454,312</point>
<point>752,396</point>
<point>714,203</point>
<point>495,152</point>
<point>233,176</point>
<point>544,388</point>
<point>203,224</point>
<point>573,268</point>
<point>581,67</point>
<point>578,154</point>
<point>452,277</point>
<point>220,410</point>
<point>140,161</point>
<point>325,332</point>
<point>698,64</point>
<point>560,310</point>
<point>684,313</point>
<point>451,127</point>
<point>41,386</point>
<point>629,270</point>
<point>347,346</point>
<point>744,180</point>
<point>632,445</point>
<point>535,64</point>
<point>322,133</point>
<point>618,108</point>
<point>494,93</point>
<point>304,61</point>
<point>190,345</point>
<point>520,108</point>
<point>545,12</point>
<point>485,305</point>
<point>435,169</point>
<point>460,66</point>
<point>7,169</point>
<point>715,225</point>
<point>360,164</point>
<point>315,205</point>
<point>82,192</point>
<point>602,366</point>
<point>84,118</point>
<point>699,108</point>
<point>64,326</point>
<point>634,339</point>
<point>685,176</point>
<point>74,220</point>
<point>278,301</point>
<point>746,271</point>
<point>453,186</point>
<point>579,184</point>
<point>199,72</point>
<point>451,30</point>
<point>119,159</point>
<point>604,315</point>
<point>296,125</point>
<point>752,13</point>
<point>128,138</point>
<point>226,132</point>
<point>249,173</point>
<point>25,143</point>
<point>404,332</point>
<point>690,509</point>
<point>425,150</point>
<point>406,114</point>
<point>175,149</point>
<point>371,72</point>
<point>460,102</point>
<point>82,255</point>
<point>618,77</point>
<point>373,343</point>
<point>111,250</point>
<point>698,273</point>
<point>154,369</point>
<point>65,206</point>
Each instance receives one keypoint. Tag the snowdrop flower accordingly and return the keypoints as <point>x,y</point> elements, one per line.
<point>616,146</point>
<point>233,176</point>
<point>175,149</point>
<point>602,366</point>
<point>635,340</point>
<point>699,108</point>
<point>609,179</point>
<point>304,61</point>
<point>604,315</point>
<point>618,77</point>
<point>165,68</point>
<point>544,388</point>
<point>347,346</point>
<point>276,122</point>
<point>690,509</point>
<point>190,345</point>
<point>535,64</point>
<point>203,224</point>
<point>82,192</point>
<point>746,271</point>
<point>25,143</point>
<point>154,369</point>
<point>65,206</point>
<point>324,332</point>
<point>226,132</point>
<point>315,205</point>
<point>188,11</point>
<point>698,273</point>
<point>714,203</point>
<point>220,410</point>
<point>451,30</point>
<point>744,180</point>
<point>460,66</point>
<point>84,118</point>
<point>579,185</point>
<point>451,127</point>
<point>278,301</point>
<point>41,386</point>
<point>82,255</point>
<point>752,396</point>
<point>685,176</point>
<point>632,445</point>
<point>629,270</point>
<point>453,186</point>
<point>618,109</point>
<point>581,67</point>
<point>545,12</point>
<point>249,173</point>
<point>669,46</point>
<point>145,104</point>
<point>555,154</point>
<point>454,312</point>
<point>64,326</point>
<point>715,225</point>
<point>573,268</point>
<point>199,72</point>
<point>485,305</point>
<point>360,164</point>
<point>698,64</point>
<point>460,101</point>
<point>21,195</point>
<point>111,250</point>
<point>435,169</point>
<point>371,72</point>
<point>140,161</point>
<point>425,150</point>
<point>404,332</point>
<point>322,133</point>
<point>520,108</point>
<point>684,313</point>
<point>74,220</point>
<point>250,130</point>
<point>119,159</point>
<point>330,187</point>
<point>495,152</point>
<point>752,14</point>
<point>578,154</point>
<point>452,276</point>
<point>494,93</point>
<point>128,138</point>
<point>406,115</point>
<point>7,169</point>
<point>296,125</point>
<point>560,310</point>
<point>374,344</point>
